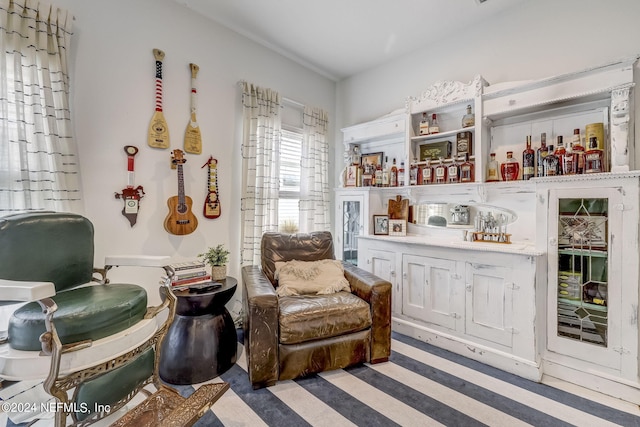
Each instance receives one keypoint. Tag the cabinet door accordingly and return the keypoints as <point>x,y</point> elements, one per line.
<point>585,261</point>
<point>429,290</point>
<point>349,225</point>
<point>489,302</point>
<point>382,264</point>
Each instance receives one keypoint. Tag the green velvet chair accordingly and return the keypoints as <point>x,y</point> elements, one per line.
<point>93,343</point>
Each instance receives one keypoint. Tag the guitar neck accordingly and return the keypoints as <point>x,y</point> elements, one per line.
<point>181,198</point>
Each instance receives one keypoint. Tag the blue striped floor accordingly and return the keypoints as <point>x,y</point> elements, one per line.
<point>421,385</point>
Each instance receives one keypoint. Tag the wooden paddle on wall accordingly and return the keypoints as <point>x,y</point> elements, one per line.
<point>180,219</point>
<point>192,137</point>
<point>158,129</point>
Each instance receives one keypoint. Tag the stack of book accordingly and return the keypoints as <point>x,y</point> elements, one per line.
<point>190,273</point>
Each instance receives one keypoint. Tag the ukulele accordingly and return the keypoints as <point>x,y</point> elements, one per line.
<point>180,219</point>
<point>131,195</point>
<point>212,203</point>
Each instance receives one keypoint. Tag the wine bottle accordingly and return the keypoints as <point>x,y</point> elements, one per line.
<point>434,127</point>
<point>593,158</point>
<point>393,175</point>
<point>528,161</point>
<point>559,153</point>
<point>578,152</point>
<point>466,170</point>
<point>468,119</point>
<point>541,153</point>
<point>550,163</point>
<point>510,169</point>
<point>424,125</point>
<point>440,172</point>
<point>492,168</point>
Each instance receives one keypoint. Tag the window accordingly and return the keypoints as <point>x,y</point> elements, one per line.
<point>289,180</point>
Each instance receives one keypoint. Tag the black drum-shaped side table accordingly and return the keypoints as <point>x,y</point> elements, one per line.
<point>201,342</point>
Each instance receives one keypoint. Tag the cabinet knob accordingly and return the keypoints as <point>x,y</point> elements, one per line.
<point>468,287</point>
<point>392,273</point>
<point>553,241</point>
<point>426,282</point>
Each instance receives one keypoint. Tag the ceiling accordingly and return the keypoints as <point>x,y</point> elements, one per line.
<point>340,38</point>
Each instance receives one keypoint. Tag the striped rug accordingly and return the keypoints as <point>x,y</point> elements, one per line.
<point>421,385</point>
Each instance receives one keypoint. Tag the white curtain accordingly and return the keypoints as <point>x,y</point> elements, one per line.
<point>314,182</point>
<point>38,157</point>
<point>261,133</point>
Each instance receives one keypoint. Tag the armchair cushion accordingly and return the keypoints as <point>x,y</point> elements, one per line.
<point>316,317</point>
<point>92,312</point>
<point>310,277</point>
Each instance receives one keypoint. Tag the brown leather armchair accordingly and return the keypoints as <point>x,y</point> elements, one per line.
<point>287,337</point>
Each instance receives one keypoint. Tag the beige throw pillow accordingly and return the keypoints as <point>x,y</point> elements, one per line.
<point>310,277</point>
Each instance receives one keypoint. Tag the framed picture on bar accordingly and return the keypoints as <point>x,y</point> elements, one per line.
<point>372,159</point>
<point>381,224</point>
<point>397,227</point>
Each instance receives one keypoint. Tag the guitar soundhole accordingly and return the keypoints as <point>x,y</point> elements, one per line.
<point>182,208</point>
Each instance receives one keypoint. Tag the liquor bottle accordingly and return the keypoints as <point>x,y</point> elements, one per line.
<point>466,170</point>
<point>386,171</point>
<point>528,161</point>
<point>464,143</point>
<point>559,153</point>
<point>453,171</point>
<point>367,176</point>
<point>550,163</point>
<point>510,169</point>
<point>468,119</point>
<point>492,168</point>
<point>593,158</point>
<point>541,153</point>
<point>578,152</point>
<point>568,166</point>
<point>401,175</point>
<point>427,173</point>
<point>413,172</point>
<point>378,175</point>
<point>440,172</point>
<point>356,160</point>
<point>424,125</point>
<point>434,128</point>
<point>393,175</point>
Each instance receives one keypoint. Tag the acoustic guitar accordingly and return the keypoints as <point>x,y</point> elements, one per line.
<point>212,203</point>
<point>180,220</point>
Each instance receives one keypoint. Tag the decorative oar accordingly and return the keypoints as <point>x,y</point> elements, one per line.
<point>158,129</point>
<point>192,137</point>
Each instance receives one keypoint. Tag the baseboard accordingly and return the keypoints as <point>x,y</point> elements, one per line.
<point>596,381</point>
<point>493,357</point>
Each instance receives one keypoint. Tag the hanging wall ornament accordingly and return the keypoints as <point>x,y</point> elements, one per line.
<point>131,195</point>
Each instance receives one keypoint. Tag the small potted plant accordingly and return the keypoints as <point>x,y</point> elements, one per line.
<point>217,258</point>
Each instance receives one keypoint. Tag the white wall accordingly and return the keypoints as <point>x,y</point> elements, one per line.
<point>540,38</point>
<point>112,89</point>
